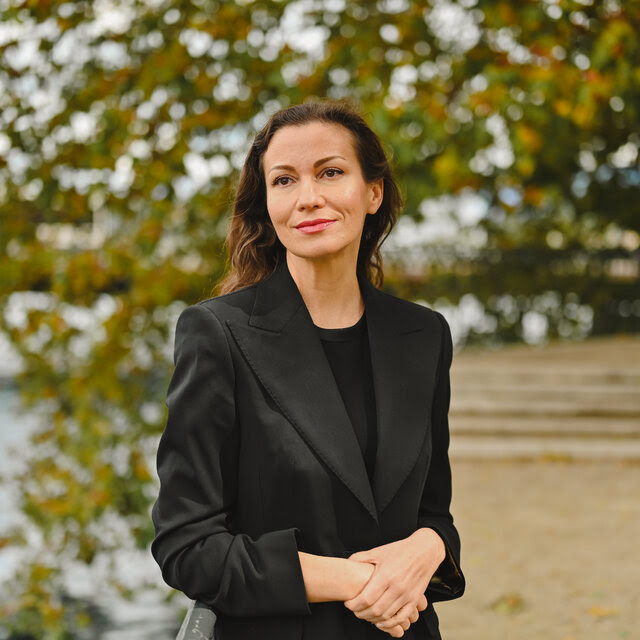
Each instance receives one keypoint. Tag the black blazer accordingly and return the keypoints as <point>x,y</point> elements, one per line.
<point>259,459</point>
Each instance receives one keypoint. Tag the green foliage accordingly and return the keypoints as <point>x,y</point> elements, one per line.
<point>121,139</point>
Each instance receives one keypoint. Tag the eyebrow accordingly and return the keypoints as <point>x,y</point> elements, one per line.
<point>317,163</point>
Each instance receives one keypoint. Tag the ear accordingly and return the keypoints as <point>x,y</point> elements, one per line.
<point>375,192</point>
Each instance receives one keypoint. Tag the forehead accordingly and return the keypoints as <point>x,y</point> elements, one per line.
<point>305,143</point>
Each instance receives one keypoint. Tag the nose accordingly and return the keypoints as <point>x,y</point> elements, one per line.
<point>309,195</point>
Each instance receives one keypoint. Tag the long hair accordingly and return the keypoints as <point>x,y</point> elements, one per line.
<point>254,248</point>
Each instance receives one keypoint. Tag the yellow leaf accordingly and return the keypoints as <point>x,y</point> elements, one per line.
<point>602,612</point>
<point>508,603</point>
<point>562,107</point>
<point>529,137</point>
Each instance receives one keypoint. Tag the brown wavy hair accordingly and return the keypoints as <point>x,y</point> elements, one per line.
<point>254,248</point>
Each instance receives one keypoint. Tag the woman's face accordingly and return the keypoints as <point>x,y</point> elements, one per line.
<point>317,197</point>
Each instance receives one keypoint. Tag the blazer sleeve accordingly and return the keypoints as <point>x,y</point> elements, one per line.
<point>197,462</point>
<point>448,581</point>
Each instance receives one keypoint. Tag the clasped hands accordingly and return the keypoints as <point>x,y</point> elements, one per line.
<point>394,594</point>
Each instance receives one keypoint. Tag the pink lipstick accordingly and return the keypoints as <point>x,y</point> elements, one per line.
<point>313,226</point>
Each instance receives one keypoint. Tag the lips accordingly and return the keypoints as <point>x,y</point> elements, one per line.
<point>314,226</point>
<point>312,223</point>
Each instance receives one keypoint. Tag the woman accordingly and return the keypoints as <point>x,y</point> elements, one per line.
<point>305,480</point>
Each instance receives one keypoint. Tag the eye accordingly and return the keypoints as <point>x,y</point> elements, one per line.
<point>281,180</point>
<point>332,172</point>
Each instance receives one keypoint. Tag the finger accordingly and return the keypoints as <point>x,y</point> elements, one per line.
<point>370,595</point>
<point>390,610</point>
<point>404,618</point>
<point>385,625</point>
<point>395,632</point>
<point>385,607</point>
<point>375,603</point>
<point>380,599</point>
<point>413,617</point>
<point>395,607</point>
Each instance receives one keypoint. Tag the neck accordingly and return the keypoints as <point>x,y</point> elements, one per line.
<point>329,288</point>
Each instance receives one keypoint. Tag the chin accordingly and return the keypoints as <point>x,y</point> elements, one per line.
<point>313,255</point>
<point>321,250</point>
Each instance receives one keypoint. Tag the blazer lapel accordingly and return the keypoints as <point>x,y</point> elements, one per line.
<point>283,348</point>
<point>404,357</point>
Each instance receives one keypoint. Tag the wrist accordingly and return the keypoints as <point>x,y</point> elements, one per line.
<point>356,575</point>
<point>433,542</point>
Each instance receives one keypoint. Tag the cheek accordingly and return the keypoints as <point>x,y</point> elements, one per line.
<point>355,205</point>
<point>277,210</point>
<point>355,198</point>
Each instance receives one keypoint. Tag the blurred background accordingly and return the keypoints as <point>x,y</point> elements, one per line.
<point>514,129</point>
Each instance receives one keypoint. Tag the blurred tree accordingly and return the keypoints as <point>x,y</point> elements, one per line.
<point>514,129</point>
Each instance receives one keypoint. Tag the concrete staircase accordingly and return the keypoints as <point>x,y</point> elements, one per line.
<point>565,401</point>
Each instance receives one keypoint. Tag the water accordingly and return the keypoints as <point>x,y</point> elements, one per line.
<point>147,617</point>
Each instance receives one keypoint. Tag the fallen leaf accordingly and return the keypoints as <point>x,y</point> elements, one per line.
<point>508,603</point>
<point>602,612</point>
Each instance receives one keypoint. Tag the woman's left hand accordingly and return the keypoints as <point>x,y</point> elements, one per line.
<point>402,573</point>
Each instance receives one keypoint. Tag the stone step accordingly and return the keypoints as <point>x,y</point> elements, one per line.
<point>507,374</point>
<point>544,388</point>
<point>567,400</point>
<point>589,407</point>
<point>469,447</point>
<point>613,352</point>
<point>536,398</point>
<point>532,426</point>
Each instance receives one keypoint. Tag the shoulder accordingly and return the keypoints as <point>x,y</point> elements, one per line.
<point>229,306</point>
<point>204,321</point>
<point>414,315</point>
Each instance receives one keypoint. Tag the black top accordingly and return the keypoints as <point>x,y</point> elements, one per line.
<point>347,351</point>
